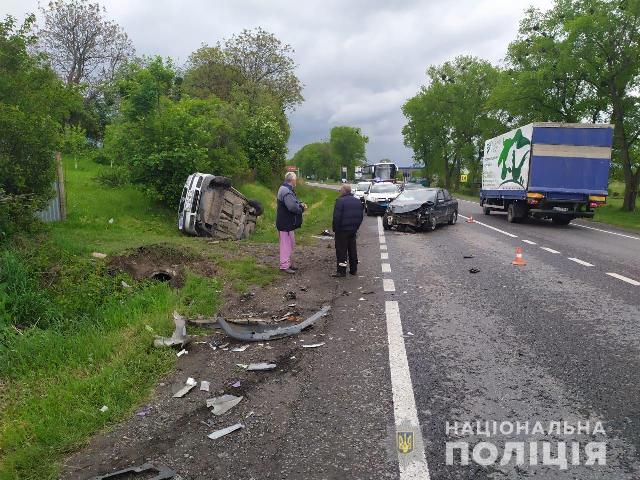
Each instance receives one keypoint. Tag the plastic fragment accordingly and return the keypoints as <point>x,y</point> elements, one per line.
<point>225,431</point>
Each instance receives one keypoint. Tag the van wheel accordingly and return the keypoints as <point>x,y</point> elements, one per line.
<point>453,218</point>
<point>433,224</point>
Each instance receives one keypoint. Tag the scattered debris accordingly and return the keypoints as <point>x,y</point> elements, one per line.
<point>125,284</point>
<point>257,333</point>
<point>368,292</point>
<point>361,299</point>
<point>236,384</point>
<point>161,473</point>
<point>104,408</point>
<point>303,289</point>
<point>182,352</point>
<point>225,431</point>
<point>203,321</point>
<point>144,412</point>
<point>409,334</point>
<point>326,233</point>
<point>223,404</point>
<point>345,293</point>
<point>467,256</point>
<point>290,295</point>
<point>99,255</point>
<point>240,349</point>
<point>204,386</point>
<point>474,270</point>
<point>255,367</point>
<point>313,345</point>
<point>111,221</point>
<point>247,296</point>
<point>179,337</point>
<point>189,384</point>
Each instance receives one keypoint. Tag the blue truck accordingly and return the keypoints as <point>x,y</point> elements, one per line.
<point>557,171</point>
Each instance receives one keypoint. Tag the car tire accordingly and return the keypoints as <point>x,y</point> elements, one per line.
<point>433,224</point>
<point>486,210</point>
<point>453,218</point>
<point>368,211</point>
<point>257,206</point>
<point>385,222</point>
<point>219,181</point>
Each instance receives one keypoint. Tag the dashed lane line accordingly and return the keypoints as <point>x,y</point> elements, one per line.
<point>413,465</point>
<point>492,228</point>
<point>529,242</point>
<point>551,250</point>
<point>384,256</point>
<point>581,262</point>
<point>386,268</point>
<point>383,246</point>
<point>624,279</point>
<point>388,285</point>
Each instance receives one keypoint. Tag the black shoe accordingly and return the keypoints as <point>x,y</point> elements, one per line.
<point>290,271</point>
<point>339,275</point>
<point>295,269</point>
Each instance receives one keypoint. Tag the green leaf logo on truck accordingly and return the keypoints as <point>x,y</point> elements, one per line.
<point>512,145</point>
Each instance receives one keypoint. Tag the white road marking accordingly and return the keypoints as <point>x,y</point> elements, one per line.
<point>383,247</point>
<point>549,249</point>
<point>380,227</point>
<point>468,201</point>
<point>581,262</point>
<point>529,242</point>
<point>388,285</point>
<point>606,231</point>
<point>624,279</point>
<point>492,228</point>
<point>386,268</point>
<point>384,256</point>
<point>413,466</point>
<point>382,239</point>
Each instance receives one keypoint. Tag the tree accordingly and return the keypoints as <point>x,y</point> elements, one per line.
<point>33,106</point>
<point>264,63</point>
<point>82,45</point>
<point>265,144</point>
<point>348,147</point>
<point>209,73</point>
<point>316,160</point>
<point>450,118</point>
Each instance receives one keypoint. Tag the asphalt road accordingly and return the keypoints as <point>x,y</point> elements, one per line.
<point>557,340</point>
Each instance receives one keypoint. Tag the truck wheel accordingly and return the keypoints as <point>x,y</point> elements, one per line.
<point>486,210</point>
<point>257,206</point>
<point>561,220</point>
<point>511,213</point>
<point>385,222</point>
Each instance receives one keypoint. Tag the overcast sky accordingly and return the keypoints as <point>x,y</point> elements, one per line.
<point>359,60</point>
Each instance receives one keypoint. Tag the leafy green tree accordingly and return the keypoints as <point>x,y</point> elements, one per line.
<point>348,147</point>
<point>33,105</point>
<point>265,143</point>
<point>209,73</point>
<point>449,120</point>
<point>316,160</point>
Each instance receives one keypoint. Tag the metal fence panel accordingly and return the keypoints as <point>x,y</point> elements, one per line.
<point>53,212</point>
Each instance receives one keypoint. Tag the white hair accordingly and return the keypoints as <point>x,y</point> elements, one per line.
<point>289,176</point>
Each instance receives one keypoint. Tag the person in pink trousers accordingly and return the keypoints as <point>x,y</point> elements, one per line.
<point>288,219</point>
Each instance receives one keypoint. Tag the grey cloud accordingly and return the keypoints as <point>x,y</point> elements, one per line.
<point>359,59</point>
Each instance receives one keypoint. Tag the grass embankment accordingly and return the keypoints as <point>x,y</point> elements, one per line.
<point>611,213</point>
<point>73,339</point>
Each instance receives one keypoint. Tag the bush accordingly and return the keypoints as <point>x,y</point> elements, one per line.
<point>101,158</point>
<point>113,177</point>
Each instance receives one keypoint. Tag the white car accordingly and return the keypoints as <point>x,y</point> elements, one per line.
<point>359,190</point>
<point>378,197</point>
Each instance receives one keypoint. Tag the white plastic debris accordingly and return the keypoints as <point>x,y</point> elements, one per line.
<point>253,367</point>
<point>98,255</point>
<point>223,404</point>
<point>125,284</point>
<point>189,384</point>
<point>204,386</point>
<point>104,408</point>
<point>225,431</point>
<point>361,299</point>
<point>111,221</point>
<point>181,352</point>
<point>313,345</point>
<point>240,349</point>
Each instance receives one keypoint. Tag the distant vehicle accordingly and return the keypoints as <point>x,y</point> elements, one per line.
<point>378,197</point>
<point>384,171</point>
<point>558,171</point>
<point>359,190</point>
<point>210,206</point>
<point>421,209</point>
<point>411,186</point>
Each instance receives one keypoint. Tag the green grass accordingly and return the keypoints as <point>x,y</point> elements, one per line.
<point>72,339</point>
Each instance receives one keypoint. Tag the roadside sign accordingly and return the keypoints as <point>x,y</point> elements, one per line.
<point>463,178</point>
<point>292,168</point>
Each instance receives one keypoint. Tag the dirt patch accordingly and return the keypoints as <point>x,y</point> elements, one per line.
<point>160,263</point>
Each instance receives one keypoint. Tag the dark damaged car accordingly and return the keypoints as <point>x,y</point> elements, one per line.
<point>421,209</point>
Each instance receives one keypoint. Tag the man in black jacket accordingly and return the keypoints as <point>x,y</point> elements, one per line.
<point>347,217</point>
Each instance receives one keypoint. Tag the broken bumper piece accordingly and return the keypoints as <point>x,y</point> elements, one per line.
<point>143,471</point>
